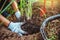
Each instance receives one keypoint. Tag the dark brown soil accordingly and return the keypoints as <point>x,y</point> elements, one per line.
<point>6,34</point>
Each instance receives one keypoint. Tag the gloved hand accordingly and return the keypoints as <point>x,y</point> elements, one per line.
<point>16,27</point>
<point>18,14</point>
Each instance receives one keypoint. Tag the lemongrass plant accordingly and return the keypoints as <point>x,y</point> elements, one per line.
<point>22,6</point>
<point>26,7</point>
<point>29,11</point>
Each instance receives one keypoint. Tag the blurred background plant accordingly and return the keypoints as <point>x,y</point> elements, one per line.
<point>7,8</point>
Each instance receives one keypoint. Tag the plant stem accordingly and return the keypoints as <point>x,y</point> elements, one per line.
<point>29,14</point>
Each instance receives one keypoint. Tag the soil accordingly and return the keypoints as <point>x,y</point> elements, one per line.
<point>6,34</point>
<point>32,26</point>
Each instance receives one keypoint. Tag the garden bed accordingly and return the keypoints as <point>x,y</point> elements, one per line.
<point>32,26</point>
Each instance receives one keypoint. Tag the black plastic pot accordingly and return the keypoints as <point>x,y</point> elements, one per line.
<point>44,24</point>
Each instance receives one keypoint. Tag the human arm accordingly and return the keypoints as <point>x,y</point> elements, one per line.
<point>14,27</point>
<point>15,8</point>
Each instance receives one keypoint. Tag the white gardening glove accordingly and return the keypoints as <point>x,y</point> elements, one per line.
<point>18,14</point>
<point>16,27</point>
